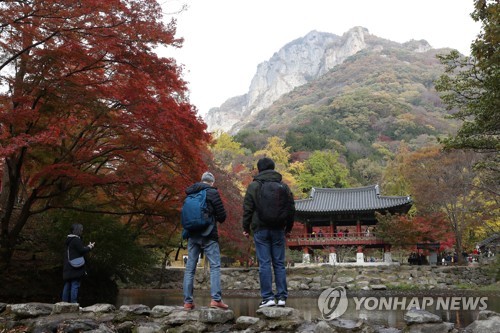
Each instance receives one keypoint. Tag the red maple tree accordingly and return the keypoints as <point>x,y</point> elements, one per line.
<point>407,231</point>
<point>89,112</point>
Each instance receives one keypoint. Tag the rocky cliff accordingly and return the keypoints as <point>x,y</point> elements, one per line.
<point>297,63</point>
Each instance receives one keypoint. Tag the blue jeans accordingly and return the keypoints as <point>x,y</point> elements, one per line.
<point>70,291</point>
<point>212,253</point>
<point>270,249</point>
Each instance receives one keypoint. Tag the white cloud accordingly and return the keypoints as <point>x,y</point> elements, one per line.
<point>225,40</point>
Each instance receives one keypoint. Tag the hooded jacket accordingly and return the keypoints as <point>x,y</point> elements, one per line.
<point>214,205</point>
<point>75,247</point>
<point>251,219</point>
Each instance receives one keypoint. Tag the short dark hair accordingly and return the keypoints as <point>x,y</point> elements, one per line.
<point>265,163</point>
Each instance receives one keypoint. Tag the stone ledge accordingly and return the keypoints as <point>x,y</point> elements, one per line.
<point>104,318</point>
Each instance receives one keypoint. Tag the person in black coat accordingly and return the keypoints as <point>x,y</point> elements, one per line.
<point>72,275</point>
<point>270,243</point>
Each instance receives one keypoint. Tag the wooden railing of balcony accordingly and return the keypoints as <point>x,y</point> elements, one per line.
<point>328,239</point>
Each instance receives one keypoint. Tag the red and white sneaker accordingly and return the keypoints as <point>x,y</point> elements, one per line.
<point>219,305</point>
<point>188,306</point>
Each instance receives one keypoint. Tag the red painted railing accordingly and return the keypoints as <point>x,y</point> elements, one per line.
<point>328,239</point>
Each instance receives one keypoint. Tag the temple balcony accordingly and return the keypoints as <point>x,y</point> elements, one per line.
<point>351,239</point>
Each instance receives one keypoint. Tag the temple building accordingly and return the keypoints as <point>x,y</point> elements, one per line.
<point>343,217</point>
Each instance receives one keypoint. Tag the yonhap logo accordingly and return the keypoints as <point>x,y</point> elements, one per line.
<point>332,303</point>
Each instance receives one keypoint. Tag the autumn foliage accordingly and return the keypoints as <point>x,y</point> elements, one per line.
<point>90,113</point>
<point>405,231</point>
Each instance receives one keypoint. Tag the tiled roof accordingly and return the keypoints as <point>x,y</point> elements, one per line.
<point>326,200</point>
<point>492,239</point>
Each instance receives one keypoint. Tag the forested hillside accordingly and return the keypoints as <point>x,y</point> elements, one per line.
<point>363,109</point>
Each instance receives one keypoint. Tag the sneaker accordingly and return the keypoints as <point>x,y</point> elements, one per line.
<point>269,302</point>
<point>282,302</point>
<point>218,305</point>
<point>188,306</point>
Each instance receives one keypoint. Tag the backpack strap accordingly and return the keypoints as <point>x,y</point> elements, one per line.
<point>67,247</point>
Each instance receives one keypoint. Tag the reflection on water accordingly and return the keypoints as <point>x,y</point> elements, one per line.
<point>245,303</point>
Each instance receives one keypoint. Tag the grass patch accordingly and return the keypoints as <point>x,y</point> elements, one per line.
<point>404,286</point>
<point>490,287</point>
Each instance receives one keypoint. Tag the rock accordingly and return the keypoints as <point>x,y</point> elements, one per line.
<point>322,327</point>
<point>276,312</point>
<point>378,287</point>
<point>486,314</point>
<point>244,322</point>
<point>148,327</point>
<point>347,325</point>
<point>64,307</point>
<point>180,316</point>
<point>63,323</point>
<point>315,286</point>
<point>487,322</point>
<point>208,315</point>
<point>345,279</point>
<point>28,310</point>
<point>190,327</point>
<point>429,328</point>
<point>103,328</point>
<point>416,316</point>
<point>138,309</point>
<point>162,310</point>
<point>124,327</point>
<point>99,308</point>
<point>304,286</point>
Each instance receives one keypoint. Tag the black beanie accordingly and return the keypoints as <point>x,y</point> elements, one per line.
<point>265,163</point>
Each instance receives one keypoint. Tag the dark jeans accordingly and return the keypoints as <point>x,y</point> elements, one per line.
<point>70,291</point>
<point>270,249</point>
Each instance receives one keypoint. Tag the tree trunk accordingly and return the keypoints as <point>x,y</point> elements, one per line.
<point>12,220</point>
<point>6,252</point>
<point>458,247</point>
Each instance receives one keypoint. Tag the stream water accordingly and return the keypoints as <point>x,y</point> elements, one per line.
<point>385,308</point>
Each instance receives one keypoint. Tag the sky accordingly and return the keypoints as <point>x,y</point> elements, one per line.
<point>225,40</point>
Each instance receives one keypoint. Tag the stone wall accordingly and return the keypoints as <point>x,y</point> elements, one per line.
<point>354,277</point>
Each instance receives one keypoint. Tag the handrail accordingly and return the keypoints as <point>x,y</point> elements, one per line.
<point>336,235</point>
<point>334,239</point>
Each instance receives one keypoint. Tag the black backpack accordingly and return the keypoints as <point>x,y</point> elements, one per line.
<point>273,203</point>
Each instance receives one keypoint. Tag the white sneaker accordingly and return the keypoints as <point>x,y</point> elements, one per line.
<point>281,302</point>
<point>267,303</point>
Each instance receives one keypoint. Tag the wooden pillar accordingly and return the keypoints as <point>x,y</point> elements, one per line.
<point>387,253</point>
<point>306,257</point>
<point>332,258</point>
<point>358,228</point>
<point>360,257</point>
<point>332,227</point>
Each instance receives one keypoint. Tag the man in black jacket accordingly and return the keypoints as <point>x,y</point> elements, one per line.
<point>208,241</point>
<point>269,237</point>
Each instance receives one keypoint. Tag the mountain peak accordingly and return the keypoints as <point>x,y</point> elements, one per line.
<point>299,62</point>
